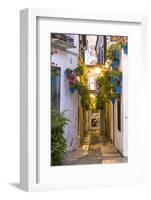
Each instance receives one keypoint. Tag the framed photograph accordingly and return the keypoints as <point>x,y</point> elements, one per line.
<point>81,80</point>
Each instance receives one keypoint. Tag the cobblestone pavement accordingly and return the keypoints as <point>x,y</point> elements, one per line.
<point>94,150</point>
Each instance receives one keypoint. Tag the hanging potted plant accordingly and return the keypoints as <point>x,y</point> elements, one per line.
<point>71,88</point>
<point>68,72</point>
<point>72,83</point>
<point>124,45</point>
<point>115,64</point>
<point>125,49</point>
<point>113,54</point>
<point>114,51</point>
<point>118,89</point>
<point>116,54</point>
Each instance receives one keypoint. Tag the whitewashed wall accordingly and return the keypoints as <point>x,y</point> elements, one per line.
<point>68,101</point>
<point>121,138</point>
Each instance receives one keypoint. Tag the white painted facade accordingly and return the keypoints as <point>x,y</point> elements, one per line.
<point>68,58</point>
<point>121,138</point>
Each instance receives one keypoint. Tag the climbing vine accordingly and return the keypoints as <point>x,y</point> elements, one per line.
<point>78,80</point>
<point>108,82</point>
<point>108,87</point>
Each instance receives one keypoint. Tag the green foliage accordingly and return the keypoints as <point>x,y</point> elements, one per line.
<point>106,88</point>
<point>111,49</point>
<point>100,101</point>
<point>115,74</point>
<point>79,70</point>
<point>81,84</point>
<point>58,142</point>
<point>68,72</point>
<point>124,41</point>
<point>85,95</point>
<point>54,71</point>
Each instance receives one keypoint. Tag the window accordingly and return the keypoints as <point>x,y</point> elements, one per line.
<point>55,88</point>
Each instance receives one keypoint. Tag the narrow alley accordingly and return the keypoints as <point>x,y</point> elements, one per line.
<point>88,99</point>
<point>95,149</point>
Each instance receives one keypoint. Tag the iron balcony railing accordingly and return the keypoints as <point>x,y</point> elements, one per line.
<point>63,37</point>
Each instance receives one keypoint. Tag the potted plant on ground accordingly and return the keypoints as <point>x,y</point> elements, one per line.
<point>58,142</point>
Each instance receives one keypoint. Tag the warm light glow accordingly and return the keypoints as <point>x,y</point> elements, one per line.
<point>92,96</point>
<point>97,70</point>
<point>101,73</point>
<point>107,64</point>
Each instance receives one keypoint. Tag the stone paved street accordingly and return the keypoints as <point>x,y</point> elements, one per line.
<point>94,150</point>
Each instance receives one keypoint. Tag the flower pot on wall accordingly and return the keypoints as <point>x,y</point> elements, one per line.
<point>115,64</point>
<point>119,78</point>
<point>72,81</point>
<point>72,90</point>
<point>68,72</point>
<point>118,89</point>
<point>116,54</point>
<point>113,80</point>
<point>125,49</point>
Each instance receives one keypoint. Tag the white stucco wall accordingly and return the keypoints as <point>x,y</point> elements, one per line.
<point>68,101</point>
<point>111,122</point>
<point>118,135</point>
<point>121,138</point>
<point>125,103</point>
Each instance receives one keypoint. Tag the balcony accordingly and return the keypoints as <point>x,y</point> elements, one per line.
<point>62,40</point>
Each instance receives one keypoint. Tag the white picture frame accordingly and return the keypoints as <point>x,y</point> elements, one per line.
<point>29,148</point>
